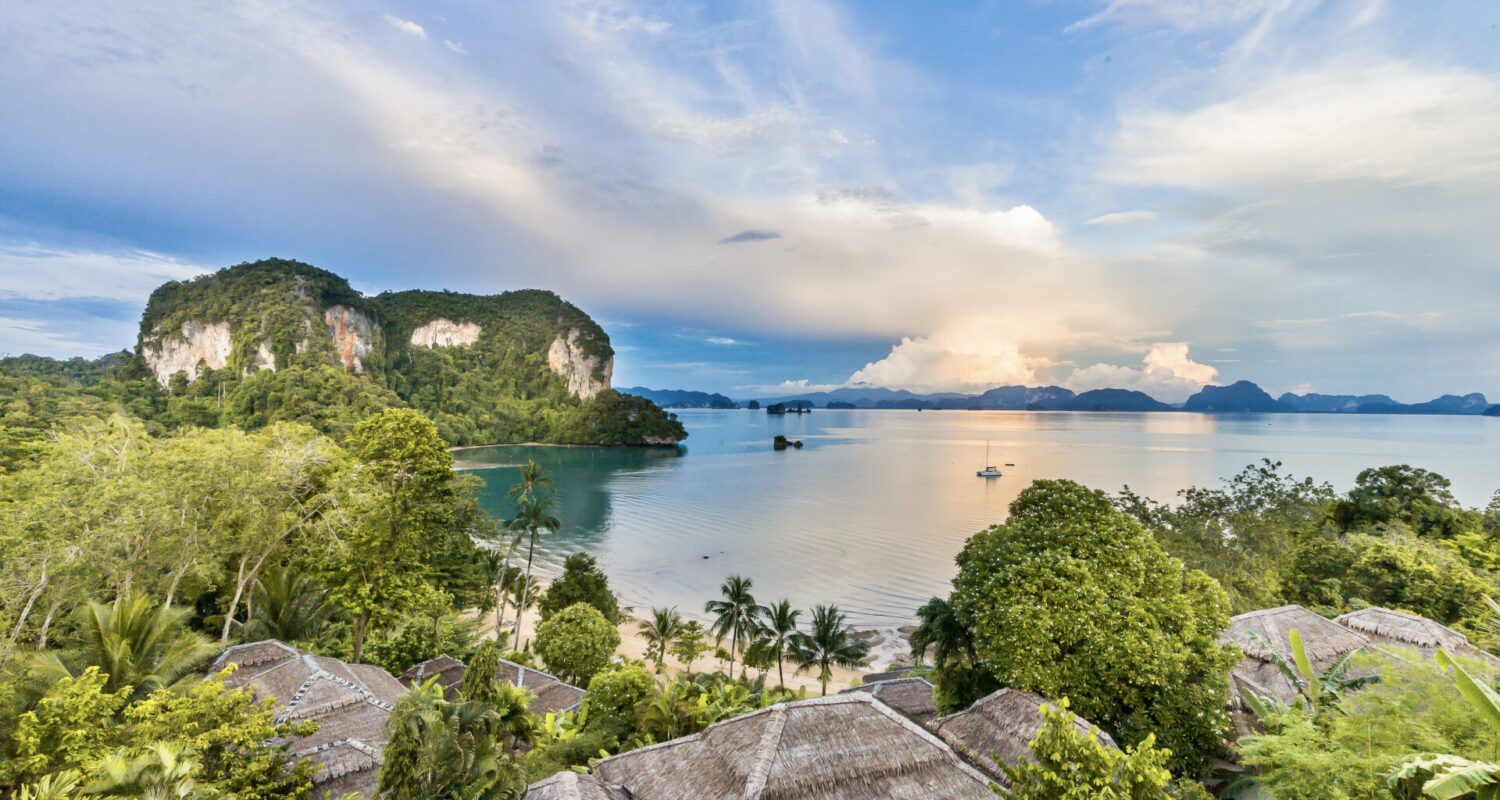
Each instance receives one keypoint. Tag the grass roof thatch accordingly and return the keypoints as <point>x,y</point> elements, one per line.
<point>1260,634</point>
<point>910,696</point>
<point>552,695</point>
<point>842,747</point>
<point>998,728</point>
<point>572,786</point>
<point>350,702</point>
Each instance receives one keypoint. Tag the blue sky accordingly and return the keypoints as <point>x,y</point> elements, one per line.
<point>1148,194</point>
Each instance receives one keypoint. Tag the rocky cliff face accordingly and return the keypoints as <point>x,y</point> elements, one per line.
<point>353,335</point>
<point>566,357</point>
<point>207,342</point>
<point>445,333</point>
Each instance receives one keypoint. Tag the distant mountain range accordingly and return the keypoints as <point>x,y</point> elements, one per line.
<point>1240,397</point>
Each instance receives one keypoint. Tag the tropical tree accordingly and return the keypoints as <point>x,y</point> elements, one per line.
<point>511,704</point>
<point>689,644</point>
<point>660,632</point>
<point>735,616</point>
<point>533,515</point>
<point>289,604</point>
<point>446,751</point>
<point>1070,597</point>
<point>136,643</point>
<point>1449,777</point>
<point>1070,763</point>
<point>957,679</point>
<point>829,643</point>
<point>776,636</point>
<point>582,581</point>
<point>576,643</point>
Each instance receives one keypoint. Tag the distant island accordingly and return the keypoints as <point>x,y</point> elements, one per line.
<point>1238,397</point>
<point>678,398</point>
<point>283,341</point>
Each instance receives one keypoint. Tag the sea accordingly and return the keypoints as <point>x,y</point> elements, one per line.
<point>869,513</point>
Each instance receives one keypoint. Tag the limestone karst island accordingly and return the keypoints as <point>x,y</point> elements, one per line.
<point>817,400</point>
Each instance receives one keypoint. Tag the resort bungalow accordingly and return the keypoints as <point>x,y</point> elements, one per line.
<point>350,702</point>
<point>551,694</point>
<point>848,746</point>
<point>1388,629</point>
<point>911,696</point>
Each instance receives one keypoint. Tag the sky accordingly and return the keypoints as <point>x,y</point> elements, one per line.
<point>760,197</point>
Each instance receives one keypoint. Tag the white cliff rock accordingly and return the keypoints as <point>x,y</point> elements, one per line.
<point>353,335</point>
<point>264,358</point>
<point>566,357</point>
<point>206,342</point>
<point>445,333</point>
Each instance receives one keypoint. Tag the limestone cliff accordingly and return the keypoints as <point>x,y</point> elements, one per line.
<point>585,373</point>
<point>197,341</point>
<point>353,336</point>
<point>445,333</point>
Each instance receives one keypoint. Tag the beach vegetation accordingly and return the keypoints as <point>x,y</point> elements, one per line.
<point>576,643</point>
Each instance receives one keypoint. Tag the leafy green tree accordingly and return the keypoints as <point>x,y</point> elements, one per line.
<point>1071,764</point>
<point>660,632</point>
<point>446,751</point>
<point>1072,598</point>
<point>829,643</point>
<point>576,643</point>
<point>403,498</point>
<point>615,695</point>
<point>416,640</point>
<point>777,636</point>
<point>1405,494</point>
<point>581,582</point>
<point>1387,566</point>
<point>511,704</point>
<point>690,645</point>
<point>735,616</point>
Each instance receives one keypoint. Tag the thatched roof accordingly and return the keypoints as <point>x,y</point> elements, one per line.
<point>1262,633</point>
<point>350,702</point>
<point>572,786</point>
<point>877,677</point>
<point>910,696</point>
<point>998,729</point>
<point>1384,626</point>
<point>842,747</point>
<point>552,695</point>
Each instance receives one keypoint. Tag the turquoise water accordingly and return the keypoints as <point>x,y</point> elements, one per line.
<point>871,511</point>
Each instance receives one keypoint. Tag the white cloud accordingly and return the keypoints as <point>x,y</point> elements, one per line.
<point>1394,122</point>
<point>800,386</point>
<point>405,26</point>
<point>457,47</point>
<point>1124,218</point>
<point>38,272</point>
<point>950,364</point>
<point>722,340</point>
<point>1169,374</point>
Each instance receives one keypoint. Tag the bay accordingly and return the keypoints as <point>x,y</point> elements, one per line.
<point>870,512</point>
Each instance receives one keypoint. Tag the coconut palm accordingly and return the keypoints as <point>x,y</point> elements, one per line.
<point>533,515</point>
<point>777,634</point>
<point>660,632</point>
<point>289,605</point>
<point>828,644</point>
<point>941,631</point>
<point>734,616</point>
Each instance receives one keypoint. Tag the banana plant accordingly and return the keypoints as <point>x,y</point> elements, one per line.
<point>1449,777</point>
<point>1317,692</point>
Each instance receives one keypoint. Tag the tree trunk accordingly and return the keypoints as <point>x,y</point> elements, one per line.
<point>41,643</point>
<point>172,590</point>
<point>525,586</point>
<point>780,671</point>
<point>500,600</point>
<point>239,587</point>
<point>21,621</point>
<point>359,634</point>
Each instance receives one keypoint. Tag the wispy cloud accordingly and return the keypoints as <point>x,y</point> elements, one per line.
<point>405,26</point>
<point>750,236</point>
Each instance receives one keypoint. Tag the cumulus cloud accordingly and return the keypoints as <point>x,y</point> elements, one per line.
<point>405,26</point>
<point>1168,374</point>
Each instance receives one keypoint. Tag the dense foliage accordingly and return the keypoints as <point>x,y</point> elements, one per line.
<point>1072,598</point>
<point>576,643</point>
<point>581,582</point>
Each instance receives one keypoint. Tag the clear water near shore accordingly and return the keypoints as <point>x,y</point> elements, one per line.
<point>870,513</point>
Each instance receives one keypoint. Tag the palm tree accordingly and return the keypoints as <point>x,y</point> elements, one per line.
<point>445,751</point>
<point>660,632</point>
<point>828,644</point>
<point>533,515</point>
<point>135,642</point>
<point>941,631</point>
<point>534,483</point>
<point>290,605</point>
<point>735,615</point>
<point>777,634</point>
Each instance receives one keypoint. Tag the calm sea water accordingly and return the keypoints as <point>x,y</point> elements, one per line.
<point>871,511</point>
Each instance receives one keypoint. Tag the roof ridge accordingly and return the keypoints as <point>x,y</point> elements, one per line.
<point>765,754</point>
<point>928,736</point>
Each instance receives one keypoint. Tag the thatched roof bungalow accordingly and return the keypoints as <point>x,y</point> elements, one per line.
<point>1264,634</point>
<point>1387,628</point>
<point>841,747</point>
<point>350,702</point>
<point>997,730</point>
<point>552,695</point>
<point>911,696</point>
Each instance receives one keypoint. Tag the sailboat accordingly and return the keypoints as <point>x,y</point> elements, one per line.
<point>990,471</point>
